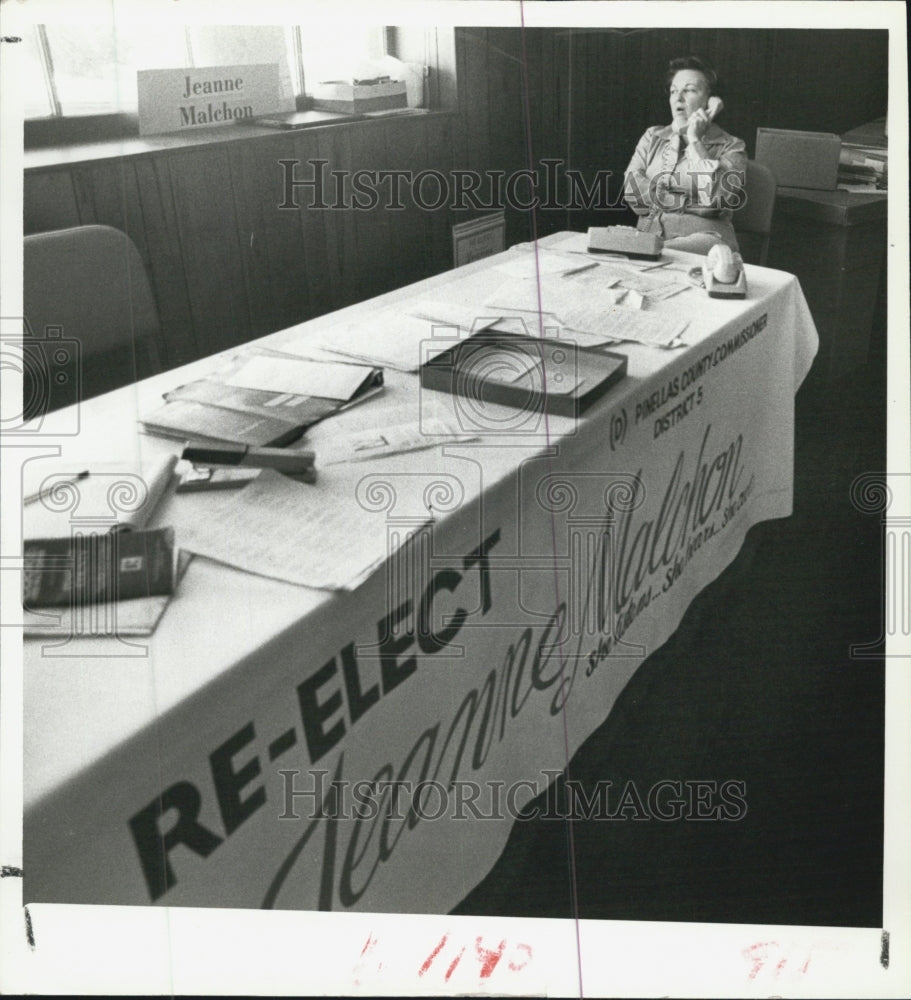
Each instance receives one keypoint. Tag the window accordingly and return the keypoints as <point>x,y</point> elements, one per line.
<point>78,70</point>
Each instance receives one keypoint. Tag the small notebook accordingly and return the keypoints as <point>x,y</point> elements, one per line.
<point>97,568</point>
<point>112,620</point>
<point>85,543</point>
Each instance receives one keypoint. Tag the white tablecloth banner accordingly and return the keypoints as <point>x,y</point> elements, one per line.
<point>475,662</point>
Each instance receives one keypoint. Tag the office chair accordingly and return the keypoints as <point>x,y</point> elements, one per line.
<point>91,320</point>
<point>753,221</point>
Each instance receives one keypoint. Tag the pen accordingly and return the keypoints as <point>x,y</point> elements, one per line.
<point>291,462</point>
<point>46,491</point>
<point>581,267</point>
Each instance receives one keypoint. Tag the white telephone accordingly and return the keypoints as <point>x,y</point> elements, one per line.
<point>714,107</point>
<point>723,274</point>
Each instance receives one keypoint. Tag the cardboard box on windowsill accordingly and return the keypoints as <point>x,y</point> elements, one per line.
<point>360,97</point>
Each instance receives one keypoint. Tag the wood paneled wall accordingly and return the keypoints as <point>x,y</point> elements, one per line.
<point>228,264</point>
<point>603,87</point>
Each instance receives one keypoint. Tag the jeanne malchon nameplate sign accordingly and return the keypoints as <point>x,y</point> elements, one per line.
<point>171,100</point>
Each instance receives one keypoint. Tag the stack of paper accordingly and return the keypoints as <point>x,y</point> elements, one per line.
<point>589,305</point>
<point>863,168</point>
<point>396,439</point>
<point>526,262</point>
<point>297,377</point>
<point>387,338</point>
<point>139,616</point>
<point>313,536</point>
<point>407,336</point>
<point>552,294</point>
<point>657,285</point>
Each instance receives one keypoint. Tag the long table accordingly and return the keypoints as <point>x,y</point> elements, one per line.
<point>274,745</point>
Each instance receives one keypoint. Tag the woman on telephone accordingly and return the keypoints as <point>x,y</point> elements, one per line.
<point>685,178</point>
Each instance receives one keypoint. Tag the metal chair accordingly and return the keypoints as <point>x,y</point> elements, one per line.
<point>92,322</point>
<point>753,220</point>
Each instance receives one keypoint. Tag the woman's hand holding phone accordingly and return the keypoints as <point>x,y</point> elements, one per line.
<point>698,122</point>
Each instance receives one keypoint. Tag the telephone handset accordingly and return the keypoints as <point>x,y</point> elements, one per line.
<point>720,261</point>
<point>723,273</point>
<point>714,107</point>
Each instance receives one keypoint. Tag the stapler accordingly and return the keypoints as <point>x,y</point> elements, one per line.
<point>293,463</point>
<point>194,479</point>
<point>230,467</point>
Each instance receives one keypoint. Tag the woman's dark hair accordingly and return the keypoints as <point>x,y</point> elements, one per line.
<point>692,62</point>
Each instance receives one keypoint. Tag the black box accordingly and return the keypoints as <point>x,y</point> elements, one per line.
<point>535,375</point>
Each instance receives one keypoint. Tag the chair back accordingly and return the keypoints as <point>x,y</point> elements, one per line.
<point>753,220</point>
<point>87,286</point>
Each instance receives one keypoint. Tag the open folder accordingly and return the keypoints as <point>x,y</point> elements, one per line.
<point>261,398</point>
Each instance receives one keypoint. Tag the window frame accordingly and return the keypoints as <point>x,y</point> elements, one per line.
<point>59,129</point>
